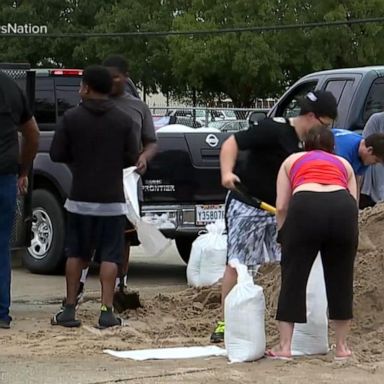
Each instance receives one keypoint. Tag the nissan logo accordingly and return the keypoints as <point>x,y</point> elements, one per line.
<point>212,140</point>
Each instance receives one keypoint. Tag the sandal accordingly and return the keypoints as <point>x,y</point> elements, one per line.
<point>65,318</point>
<point>343,358</point>
<point>108,319</point>
<point>269,354</point>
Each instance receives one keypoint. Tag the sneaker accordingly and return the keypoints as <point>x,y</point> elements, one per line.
<point>218,334</point>
<point>79,297</point>
<point>5,324</point>
<point>107,318</point>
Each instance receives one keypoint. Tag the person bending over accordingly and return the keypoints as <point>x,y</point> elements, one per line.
<point>316,212</point>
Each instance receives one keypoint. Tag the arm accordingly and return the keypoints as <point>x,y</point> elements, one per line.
<point>60,151</point>
<point>284,193</point>
<point>255,137</point>
<point>29,145</point>
<point>354,185</point>
<point>352,179</point>
<point>148,139</point>
<point>228,156</point>
<point>359,182</point>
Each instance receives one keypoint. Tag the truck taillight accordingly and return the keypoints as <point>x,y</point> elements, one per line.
<point>66,72</point>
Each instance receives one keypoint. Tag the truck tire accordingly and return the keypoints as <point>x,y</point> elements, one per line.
<point>184,246</point>
<point>45,255</point>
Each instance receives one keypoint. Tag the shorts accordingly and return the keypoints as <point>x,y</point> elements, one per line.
<point>105,234</point>
<point>252,234</point>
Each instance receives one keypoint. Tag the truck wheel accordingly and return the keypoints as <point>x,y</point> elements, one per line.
<point>184,245</point>
<point>45,255</point>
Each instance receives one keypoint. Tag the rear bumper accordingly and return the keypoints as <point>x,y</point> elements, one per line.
<point>174,220</point>
<point>181,232</point>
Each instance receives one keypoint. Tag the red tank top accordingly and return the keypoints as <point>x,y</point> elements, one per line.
<point>318,167</point>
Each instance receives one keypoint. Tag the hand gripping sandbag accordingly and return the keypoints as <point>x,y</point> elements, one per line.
<point>151,239</point>
<point>244,309</point>
<point>208,256</point>
<point>311,338</point>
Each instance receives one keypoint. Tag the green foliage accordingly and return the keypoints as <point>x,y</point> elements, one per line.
<point>241,66</point>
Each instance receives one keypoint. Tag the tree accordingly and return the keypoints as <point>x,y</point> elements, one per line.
<point>60,17</point>
<point>149,59</point>
<point>241,65</point>
<point>308,50</point>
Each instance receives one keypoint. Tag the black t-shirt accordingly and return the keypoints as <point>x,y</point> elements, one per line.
<point>14,111</point>
<point>268,143</point>
<point>97,140</point>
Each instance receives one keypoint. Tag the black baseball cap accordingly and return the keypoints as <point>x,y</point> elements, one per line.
<point>321,103</point>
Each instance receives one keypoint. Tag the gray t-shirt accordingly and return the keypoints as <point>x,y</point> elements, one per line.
<point>140,113</point>
<point>373,181</point>
<point>144,127</point>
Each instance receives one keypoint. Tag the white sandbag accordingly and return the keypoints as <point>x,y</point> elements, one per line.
<point>193,267</point>
<point>311,338</point>
<point>151,239</point>
<point>208,256</point>
<point>214,257</point>
<point>130,179</point>
<point>244,310</point>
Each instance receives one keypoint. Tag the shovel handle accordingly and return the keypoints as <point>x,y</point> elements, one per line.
<point>268,207</point>
<point>251,200</point>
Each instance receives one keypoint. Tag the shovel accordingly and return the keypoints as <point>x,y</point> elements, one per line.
<point>123,301</point>
<point>242,191</point>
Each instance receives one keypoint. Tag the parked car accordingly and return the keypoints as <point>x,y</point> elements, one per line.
<point>182,189</point>
<point>229,126</point>
<point>198,116</point>
<point>193,195</point>
<point>225,114</point>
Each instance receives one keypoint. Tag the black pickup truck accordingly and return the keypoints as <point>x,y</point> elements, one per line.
<point>182,191</point>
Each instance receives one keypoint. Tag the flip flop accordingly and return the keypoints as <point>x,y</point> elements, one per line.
<point>269,354</point>
<point>72,323</point>
<point>343,358</point>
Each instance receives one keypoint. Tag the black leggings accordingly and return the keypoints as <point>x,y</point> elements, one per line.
<point>325,222</point>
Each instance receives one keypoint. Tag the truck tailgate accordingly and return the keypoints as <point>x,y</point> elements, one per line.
<point>185,169</point>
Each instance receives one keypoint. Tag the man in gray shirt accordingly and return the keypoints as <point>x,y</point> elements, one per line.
<point>372,189</point>
<point>145,139</point>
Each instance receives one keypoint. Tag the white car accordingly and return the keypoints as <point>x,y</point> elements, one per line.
<point>225,114</point>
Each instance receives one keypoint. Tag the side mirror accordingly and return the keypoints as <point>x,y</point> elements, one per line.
<point>256,116</point>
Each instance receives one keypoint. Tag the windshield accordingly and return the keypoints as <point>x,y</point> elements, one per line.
<point>229,113</point>
<point>200,113</point>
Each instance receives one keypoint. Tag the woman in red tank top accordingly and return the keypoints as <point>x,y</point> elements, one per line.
<point>316,212</point>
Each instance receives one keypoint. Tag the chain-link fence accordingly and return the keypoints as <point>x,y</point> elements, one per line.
<point>225,119</point>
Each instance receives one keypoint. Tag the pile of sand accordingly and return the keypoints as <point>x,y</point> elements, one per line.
<point>188,317</point>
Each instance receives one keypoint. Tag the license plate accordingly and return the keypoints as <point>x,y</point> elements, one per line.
<point>206,214</point>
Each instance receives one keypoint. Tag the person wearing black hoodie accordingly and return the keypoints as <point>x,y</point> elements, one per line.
<point>97,141</point>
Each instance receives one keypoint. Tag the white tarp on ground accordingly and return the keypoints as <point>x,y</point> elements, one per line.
<point>169,353</point>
